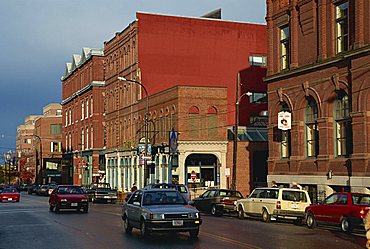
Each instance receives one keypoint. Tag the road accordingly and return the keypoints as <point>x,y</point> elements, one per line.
<point>29,224</point>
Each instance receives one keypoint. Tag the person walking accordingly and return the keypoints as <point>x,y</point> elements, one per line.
<point>133,188</point>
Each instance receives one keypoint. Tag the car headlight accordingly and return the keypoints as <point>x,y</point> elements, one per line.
<point>83,199</point>
<point>194,215</point>
<point>157,216</point>
<point>64,200</point>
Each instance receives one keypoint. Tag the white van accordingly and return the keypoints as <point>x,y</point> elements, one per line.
<point>274,203</point>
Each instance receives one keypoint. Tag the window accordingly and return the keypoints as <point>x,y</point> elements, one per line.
<point>212,122</point>
<point>257,60</point>
<point>284,47</point>
<point>66,137</point>
<point>258,98</point>
<point>55,129</point>
<point>331,199</point>
<point>66,117</point>
<point>82,110</point>
<point>87,138</point>
<point>59,112</point>
<point>312,131</point>
<point>343,127</point>
<point>285,137</point>
<point>82,139</point>
<point>194,122</point>
<point>70,117</point>
<point>92,137</point>
<point>341,27</point>
<point>87,109</point>
<point>91,106</point>
<point>56,147</point>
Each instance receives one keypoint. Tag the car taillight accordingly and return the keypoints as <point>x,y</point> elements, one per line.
<point>278,205</point>
<point>362,213</point>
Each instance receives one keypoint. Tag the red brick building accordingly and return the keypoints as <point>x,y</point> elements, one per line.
<point>83,117</point>
<point>185,59</point>
<point>318,71</point>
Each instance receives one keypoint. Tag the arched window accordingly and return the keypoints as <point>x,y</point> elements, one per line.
<point>343,129</point>
<point>285,143</point>
<point>311,130</point>
<point>212,122</point>
<point>194,122</point>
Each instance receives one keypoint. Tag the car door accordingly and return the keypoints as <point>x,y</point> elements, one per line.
<point>340,208</point>
<point>199,202</point>
<point>134,207</point>
<point>251,203</point>
<point>324,212</point>
<point>210,200</point>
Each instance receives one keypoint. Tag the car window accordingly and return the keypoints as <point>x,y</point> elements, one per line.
<point>288,195</point>
<point>212,193</point>
<point>331,199</point>
<point>205,194</point>
<point>162,197</point>
<point>182,189</point>
<point>9,190</point>
<point>255,193</point>
<point>343,200</point>
<point>361,199</point>
<point>136,197</point>
<point>70,190</point>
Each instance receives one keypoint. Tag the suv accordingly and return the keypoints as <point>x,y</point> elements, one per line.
<point>268,203</point>
<point>101,192</point>
<point>183,189</point>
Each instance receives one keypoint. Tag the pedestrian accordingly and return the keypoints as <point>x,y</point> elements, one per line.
<point>134,188</point>
<point>274,185</point>
<point>367,228</point>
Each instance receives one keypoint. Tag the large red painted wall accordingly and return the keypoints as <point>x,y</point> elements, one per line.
<point>196,51</point>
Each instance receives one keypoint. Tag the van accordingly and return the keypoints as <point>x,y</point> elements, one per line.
<point>274,203</point>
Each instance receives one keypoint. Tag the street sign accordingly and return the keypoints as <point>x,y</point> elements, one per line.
<point>193,175</point>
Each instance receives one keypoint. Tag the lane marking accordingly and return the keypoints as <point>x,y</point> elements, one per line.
<point>232,241</point>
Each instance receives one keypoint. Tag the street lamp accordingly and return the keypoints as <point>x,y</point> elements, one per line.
<point>235,156</point>
<point>146,121</point>
<point>37,180</point>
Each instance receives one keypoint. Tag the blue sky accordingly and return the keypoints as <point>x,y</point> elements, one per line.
<point>37,38</point>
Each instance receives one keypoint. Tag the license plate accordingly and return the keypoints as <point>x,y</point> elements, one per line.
<point>9,199</point>
<point>177,223</point>
<point>74,204</point>
<point>295,206</point>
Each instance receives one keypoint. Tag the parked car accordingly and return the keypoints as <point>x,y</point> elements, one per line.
<point>345,209</point>
<point>101,192</point>
<point>42,190</point>
<point>32,189</point>
<point>217,201</point>
<point>276,203</point>
<point>160,210</point>
<point>183,189</point>
<point>68,197</point>
<point>9,195</point>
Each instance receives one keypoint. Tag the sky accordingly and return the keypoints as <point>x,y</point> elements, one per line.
<point>37,38</point>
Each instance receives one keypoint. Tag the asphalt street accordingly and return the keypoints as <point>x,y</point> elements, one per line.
<point>29,224</point>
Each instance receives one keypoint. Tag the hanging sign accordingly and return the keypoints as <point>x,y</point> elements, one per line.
<point>284,121</point>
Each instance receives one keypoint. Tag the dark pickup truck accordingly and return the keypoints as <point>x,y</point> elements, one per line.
<point>101,192</point>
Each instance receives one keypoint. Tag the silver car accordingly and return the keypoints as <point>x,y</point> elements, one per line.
<point>160,210</point>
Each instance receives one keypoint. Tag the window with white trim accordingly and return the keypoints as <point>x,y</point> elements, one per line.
<point>343,127</point>
<point>341,27</point>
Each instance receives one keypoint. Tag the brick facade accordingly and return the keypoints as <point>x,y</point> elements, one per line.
<point>319,72</point>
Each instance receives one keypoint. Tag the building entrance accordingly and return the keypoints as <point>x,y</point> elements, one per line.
<point>206,169</point>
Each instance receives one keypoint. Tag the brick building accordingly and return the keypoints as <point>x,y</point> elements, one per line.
<point>83,117</point>
<point>26,150</point>
<point>48,135</point>
<point>189,68</point>
<point>318,71</point>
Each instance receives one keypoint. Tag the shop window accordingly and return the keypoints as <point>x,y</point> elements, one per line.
<point>193,122</point>
<point>285,138</point>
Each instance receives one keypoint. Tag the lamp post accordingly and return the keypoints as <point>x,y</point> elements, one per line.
<point>235,151</point>
<point>8,157</point>
<point>146,121</point>
<point>37,180</point>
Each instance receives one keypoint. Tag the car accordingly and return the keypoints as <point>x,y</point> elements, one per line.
<point>32,189</point>
<point>51,187</point>
<point>217,201</point>
<point>344,209</point>
<point>68,197</point>
<point>101,192</point>
<point>160,210</point>
<point>9,195</point>
<point>275,203</point>
<point>42,190</point>
<point>183,189</point>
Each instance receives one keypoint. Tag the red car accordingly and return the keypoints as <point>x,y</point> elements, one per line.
<point>68,197</point>
<point>345,209</point>
<point>9,194</point>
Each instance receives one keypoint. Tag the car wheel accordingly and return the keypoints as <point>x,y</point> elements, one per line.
<point>311,221</point>
<point>144,230</point>
<point>240,213</point>
<point>266,217</point>
<point>345,225</point>
<point>57,208</point>
<point>51,208</point>
<point>127,226</point>
<point>194,234</point>
<point>214,210</point>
